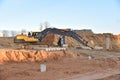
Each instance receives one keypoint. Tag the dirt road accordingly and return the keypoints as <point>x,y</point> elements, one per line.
<point>95,75</point>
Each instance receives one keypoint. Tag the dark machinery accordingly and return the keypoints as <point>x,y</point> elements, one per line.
<point>63,32</point>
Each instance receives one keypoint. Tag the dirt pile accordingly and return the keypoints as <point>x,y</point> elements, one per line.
<point>32,55</point>
<point>49,39</point>
<point>97,39</point>
<point>100,40</point>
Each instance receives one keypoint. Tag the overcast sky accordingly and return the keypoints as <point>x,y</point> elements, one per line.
<point>102,16</point>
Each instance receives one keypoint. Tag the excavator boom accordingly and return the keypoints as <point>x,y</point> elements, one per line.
<point>62,32</point>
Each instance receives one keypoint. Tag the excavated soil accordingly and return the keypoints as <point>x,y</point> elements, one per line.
<point>8,55</point>
<point>97,40</point>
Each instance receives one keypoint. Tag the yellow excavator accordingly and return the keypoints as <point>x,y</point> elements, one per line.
<point>37,37</point>
<point>23,38</point>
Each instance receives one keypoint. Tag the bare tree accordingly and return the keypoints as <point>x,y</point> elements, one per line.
<point>41,26</point>
<point>5,33</point>
<point>44,25</point>
<point>23,31</point>
<point>13,33</point>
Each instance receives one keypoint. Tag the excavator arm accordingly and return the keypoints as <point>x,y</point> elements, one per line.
<point>62,32</point>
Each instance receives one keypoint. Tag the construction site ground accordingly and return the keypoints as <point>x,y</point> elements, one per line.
<point>71,64</point>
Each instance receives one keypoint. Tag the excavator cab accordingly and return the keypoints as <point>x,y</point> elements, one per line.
<point>34,34</point>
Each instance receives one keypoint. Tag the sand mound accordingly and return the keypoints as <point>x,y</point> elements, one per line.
<point>32,55</point>
<point>98,40</point>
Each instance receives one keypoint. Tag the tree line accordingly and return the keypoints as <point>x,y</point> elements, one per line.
<point>6,33</point>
